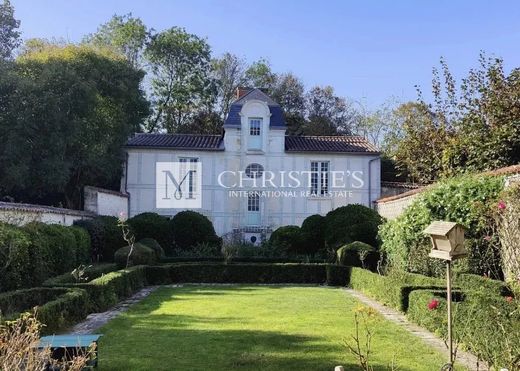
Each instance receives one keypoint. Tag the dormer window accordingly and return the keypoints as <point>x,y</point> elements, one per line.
<point>255,133</point>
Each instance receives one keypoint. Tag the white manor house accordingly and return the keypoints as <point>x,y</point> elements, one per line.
<point>253,178</point>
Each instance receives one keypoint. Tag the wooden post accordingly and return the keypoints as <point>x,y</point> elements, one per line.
<point>448,299</point>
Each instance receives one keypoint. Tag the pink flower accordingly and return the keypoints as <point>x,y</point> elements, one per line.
<point>487,238</point>
<point>433,304</point>
<point>509,299</point>
<point>501,205</point>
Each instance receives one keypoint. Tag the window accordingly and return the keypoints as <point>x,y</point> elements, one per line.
<point>190,186</point>
<point>319,178</point>
<point>253,202</point>
<point>254,170</point>
<point>254,126</point>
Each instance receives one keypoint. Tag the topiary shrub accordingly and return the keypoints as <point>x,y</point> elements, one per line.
<point>95,230</point>
<point>154,245</point>
<point>313,234</point>
<point>351,223</point>
<point>152,225</point>
<point>191,228</point>
<point>287,239</point>
<point>357,254</point>
<point>141,255</point>
<point>468,200</point>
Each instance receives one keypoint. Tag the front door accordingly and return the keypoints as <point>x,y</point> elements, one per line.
<point>253,210</point>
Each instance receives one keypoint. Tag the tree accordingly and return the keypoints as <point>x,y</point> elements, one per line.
<point>229,74</point>
<point>289,92</point>
<point>125,34</point>
<point>260,75</point>
<point>181,81</point>
<point>9,34</point>
<point>329,114</point>
<point>69,111</point>
<point>420,150</point>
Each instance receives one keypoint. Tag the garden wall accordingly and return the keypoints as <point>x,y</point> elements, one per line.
<point>393,206</point>
<point>21,214</point>
<point>104,201</point>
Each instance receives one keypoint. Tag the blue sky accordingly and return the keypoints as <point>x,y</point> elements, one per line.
<point>367,50</point>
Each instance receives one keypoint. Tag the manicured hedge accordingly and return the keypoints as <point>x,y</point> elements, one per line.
<point>31,254</point>
<point>109,289</point>
<point>488,325</point>
<point>141,255</point>
<point>191,228</point>
<point>394,289</point>
<point>255,259</point>
<point>91,273</point>
<point>472,282</point>
<point>153,225</point>
<point>57,308</point>
<point>248,273</point>
<point>358,254</point>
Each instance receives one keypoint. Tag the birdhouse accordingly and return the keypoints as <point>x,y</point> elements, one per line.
<point>447,240</point>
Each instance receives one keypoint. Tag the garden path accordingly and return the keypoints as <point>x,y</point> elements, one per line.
<point>465,359</point>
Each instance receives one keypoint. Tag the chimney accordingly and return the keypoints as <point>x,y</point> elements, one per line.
<point>241,91</point>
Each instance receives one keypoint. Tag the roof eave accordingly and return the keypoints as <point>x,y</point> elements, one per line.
<point>175,148</point>
<point>335,152</point>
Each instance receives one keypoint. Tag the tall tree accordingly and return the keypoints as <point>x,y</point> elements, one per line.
<point>229,74</point>
<point>329,114</point>
<point>260,75</point>
<point>69,111</point>
<point>125,34</point>
<point>289,92</point>
<point>9,34</point>
<point>181,78</point>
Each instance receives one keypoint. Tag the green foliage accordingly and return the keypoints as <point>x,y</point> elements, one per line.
<point>76,146</point>
<point>92,272</point>
<point>468,128</point>
<point>242,273</point>
<point>58,308</point>
<point>313,234</point>
<point>181,83</point>
<point>488,325</point>
<point>338,275</point>
<point>191,228</point>
<point>287,239</point>
<point>154,245</point>
<point>83,246</point>
<point>393,289</point>
<point>9,33</point>
<point>125,34</point>
<point>152,225</point>
<point>15,258</point>
<point>105,235</point>
<point>141,255</point>
<point>351,223</point>
<point>468,200</point>
<point>357,254</point>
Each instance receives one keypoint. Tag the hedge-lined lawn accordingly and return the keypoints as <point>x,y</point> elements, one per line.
<point>250,328</point>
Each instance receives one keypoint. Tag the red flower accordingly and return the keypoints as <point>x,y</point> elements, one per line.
<point>501,205</point>
<point>509,299</point>
<point>433,304</point>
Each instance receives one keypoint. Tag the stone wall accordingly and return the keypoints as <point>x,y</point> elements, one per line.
<point>20,214</point>
<point>393,206</point>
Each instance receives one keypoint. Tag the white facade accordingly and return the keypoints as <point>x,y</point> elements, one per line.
<point>230,209</point>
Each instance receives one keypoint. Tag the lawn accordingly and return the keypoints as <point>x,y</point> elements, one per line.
<point>251,328</point>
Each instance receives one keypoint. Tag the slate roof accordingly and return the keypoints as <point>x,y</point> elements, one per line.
<point>338,144</point>
<point>178,141</point>
<point>276,121</point>
<point>345,144</point>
